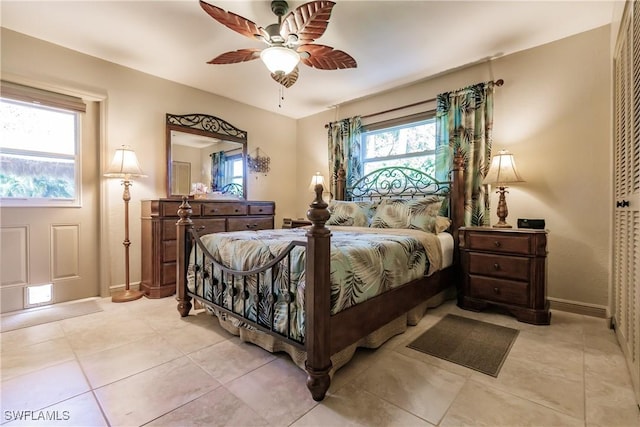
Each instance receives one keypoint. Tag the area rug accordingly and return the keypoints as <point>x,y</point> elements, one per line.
<point>38,316</point>
<point>477,345</point>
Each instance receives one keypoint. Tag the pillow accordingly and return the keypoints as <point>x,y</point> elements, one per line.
<point>410,213</point>
<point>424,212</point>
<point>391,213</point>
<point>442,224</point>
<point>347,214</point>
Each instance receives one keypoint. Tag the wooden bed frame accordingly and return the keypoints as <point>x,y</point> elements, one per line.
<point>328,334</point>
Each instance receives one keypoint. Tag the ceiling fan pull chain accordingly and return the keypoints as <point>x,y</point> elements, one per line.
<point>280,95</point>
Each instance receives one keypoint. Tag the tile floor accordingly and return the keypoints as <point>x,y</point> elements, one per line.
<point>139,363</point>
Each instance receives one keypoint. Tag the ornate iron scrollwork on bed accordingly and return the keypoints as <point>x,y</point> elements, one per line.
<point>396,181</point>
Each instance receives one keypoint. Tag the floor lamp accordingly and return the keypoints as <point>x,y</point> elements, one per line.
<point>125,167</point>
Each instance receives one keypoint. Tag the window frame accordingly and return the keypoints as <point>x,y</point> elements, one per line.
<point>36,98</point>
<point>406,121</point>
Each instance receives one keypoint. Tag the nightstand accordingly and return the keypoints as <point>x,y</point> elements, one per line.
<point>505,268</point>
<point>294,223</point>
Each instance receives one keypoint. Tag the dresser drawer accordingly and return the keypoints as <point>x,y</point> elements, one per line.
<point>499,290</point>
<point>503,266</point>
<point>207,226</point>
<point>171,209</point>
<point>213,209</point>
<point>249,223</point>
<point>168,273</point>
<point>511,243</point>
<point>261,209</point>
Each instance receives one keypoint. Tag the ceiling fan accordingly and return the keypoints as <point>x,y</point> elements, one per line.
<point>290,40</point>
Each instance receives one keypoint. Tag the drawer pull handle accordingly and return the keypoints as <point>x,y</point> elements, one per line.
<point>237,210</point>
<point>497,244</point>
<point>252,226</point>
<point>259,210</point>
<point>496,266</point>
<point>496,290</point>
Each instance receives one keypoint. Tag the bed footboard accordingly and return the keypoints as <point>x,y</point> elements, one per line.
<point>317,293</point>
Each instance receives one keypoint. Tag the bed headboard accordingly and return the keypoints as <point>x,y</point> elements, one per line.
<point>403,182</point>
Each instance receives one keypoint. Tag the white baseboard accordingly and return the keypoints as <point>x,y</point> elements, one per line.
<point>584,308</point>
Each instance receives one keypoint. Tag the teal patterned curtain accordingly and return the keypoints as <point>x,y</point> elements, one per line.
<point>217,170</point>
<point>344,150</point>
<point>464,121</point>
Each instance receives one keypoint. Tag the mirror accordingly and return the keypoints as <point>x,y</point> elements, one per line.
<point>205,156</point>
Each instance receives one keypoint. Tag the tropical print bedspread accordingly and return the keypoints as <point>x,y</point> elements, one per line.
<point>365,262</point>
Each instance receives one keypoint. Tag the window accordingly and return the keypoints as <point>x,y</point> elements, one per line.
<point>409,142</point>
<point>234,169</point>
<point>39,152</point>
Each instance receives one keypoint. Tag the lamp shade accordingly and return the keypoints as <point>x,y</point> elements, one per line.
<point>124,165</point>
<point>280,59</point>
<point>502,170</point>
<point>315,180</point>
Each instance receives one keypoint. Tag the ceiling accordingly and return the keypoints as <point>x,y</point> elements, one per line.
<point>394,42</point>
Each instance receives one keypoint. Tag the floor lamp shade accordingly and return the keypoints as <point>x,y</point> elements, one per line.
<point>502,171</point>
<point>125,166</point>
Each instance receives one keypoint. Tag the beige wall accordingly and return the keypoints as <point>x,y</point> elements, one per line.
<point>553,114</point>
<point>136,104</point>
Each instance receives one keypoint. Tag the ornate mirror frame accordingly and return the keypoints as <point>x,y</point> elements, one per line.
<point>208,126</point>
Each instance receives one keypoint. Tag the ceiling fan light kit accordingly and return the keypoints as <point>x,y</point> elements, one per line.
<point>280,59</point>
<point>290,40</point>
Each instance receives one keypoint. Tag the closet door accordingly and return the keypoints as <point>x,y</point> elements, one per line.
<point>626,253</point>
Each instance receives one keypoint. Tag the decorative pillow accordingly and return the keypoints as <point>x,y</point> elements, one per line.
<point>409,213</point>
<point>391,213</point>
<point>347,213</point>
<point>424,212</point>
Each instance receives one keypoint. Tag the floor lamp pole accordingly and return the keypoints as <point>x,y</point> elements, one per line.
<point>128,294</point>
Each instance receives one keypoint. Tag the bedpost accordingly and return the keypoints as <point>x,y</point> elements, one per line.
<point>183,243</point>
<point>457,194</point>
<point>318,298</point>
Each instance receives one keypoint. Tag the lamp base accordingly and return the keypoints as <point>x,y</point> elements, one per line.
<point>501,224</point>
<point>126,296</point>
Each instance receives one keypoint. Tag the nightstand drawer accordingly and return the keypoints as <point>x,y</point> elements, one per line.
<point>508,267</point>
<point>499,290</point>
<point>512,243</point>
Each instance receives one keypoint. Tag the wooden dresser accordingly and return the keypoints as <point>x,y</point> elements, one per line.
<point>159,233</point>
<point>506,268</point>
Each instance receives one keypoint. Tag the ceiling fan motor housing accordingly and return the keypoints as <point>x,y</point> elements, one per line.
<point>279,7</point>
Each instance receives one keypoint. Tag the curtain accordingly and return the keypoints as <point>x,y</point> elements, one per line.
<point>344,151</point>
<point>464,122</point>
<point>217,170</point>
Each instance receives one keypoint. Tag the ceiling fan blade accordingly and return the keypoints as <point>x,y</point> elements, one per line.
<point>235,22</point>
<point>325,57</point>
<point>233,57</point>
<point>308,21</point>
<point>286,80</point>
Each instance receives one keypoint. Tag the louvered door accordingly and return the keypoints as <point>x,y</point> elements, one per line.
<point>626,253</point>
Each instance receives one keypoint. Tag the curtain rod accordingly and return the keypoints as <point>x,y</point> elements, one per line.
<point>498,82</point>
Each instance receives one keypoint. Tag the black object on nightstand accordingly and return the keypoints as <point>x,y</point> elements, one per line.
<point>505,268</point>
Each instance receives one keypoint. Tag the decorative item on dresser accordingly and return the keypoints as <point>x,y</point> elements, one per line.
<point>209,216</point>
<point>505,268</point>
